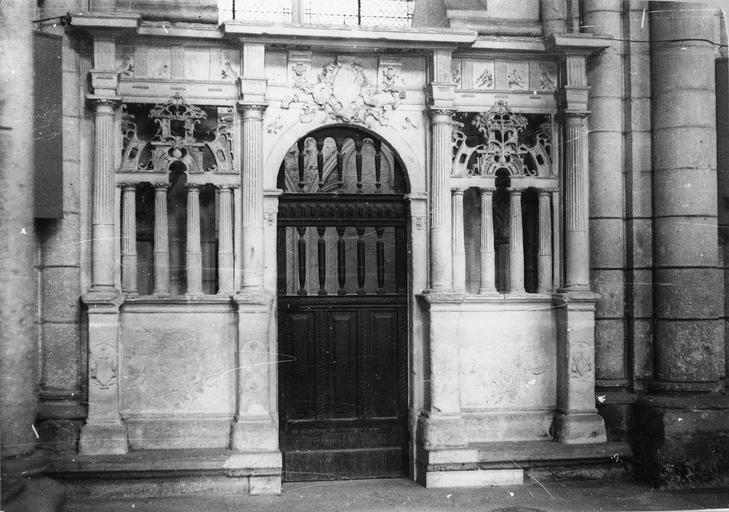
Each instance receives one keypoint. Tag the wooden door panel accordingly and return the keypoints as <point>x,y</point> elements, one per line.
<point>343,365</point>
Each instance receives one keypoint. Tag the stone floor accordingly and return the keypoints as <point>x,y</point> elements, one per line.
<point>404,495</point>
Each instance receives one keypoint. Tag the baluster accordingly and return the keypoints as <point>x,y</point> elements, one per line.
<point>129,238</point>
<point>193,254</point>
<point>161,241</point>
<point>322,253</point>
<point>378,164</point>
<point>300,144</point>
<point>380,260</point>
<point>302,259</point>
<point>341,261</point>
<point>320,162</point>
<point>358,160</point>
<point>360,260</point>
<point>339,141</point>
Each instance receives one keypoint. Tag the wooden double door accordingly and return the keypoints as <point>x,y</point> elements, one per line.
<point>342,318</point>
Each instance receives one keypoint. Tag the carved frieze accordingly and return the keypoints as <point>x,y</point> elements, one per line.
<point>513,76</point>
<point>503,144</point>
<point>344,93</point>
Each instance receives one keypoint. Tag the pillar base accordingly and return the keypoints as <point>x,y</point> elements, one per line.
<point>254,435</point>
<point>579,428</point>
<point>104,438</point>
<point>682,441</point>
<point>437,432</point>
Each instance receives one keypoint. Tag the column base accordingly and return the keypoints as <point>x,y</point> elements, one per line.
<point>254,435</point>
<point>103,439</point>
<point>682,441</point>
<point>264,470</point>
<point>579,428</point>
<point>438,432</point>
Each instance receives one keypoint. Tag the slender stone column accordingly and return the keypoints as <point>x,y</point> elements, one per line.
<point>557,246</point>
<point>459,243</point>
<point>544,259</point>
<point>193,252</point>
<point>577,241</point>
<point>488,256</point>
<point>516,245</point>
<point>688,291</point>
<point>441,264</point>
<point>161,241</point>
<point>226,283</point>
<point>102,223</point>
<point>129,238</point>
<point>252,259</point>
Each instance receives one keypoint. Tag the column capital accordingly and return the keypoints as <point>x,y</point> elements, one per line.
<point>227,186</point>
<point>573,115</point>
<point>437,115</point>
<point>514,191</point>
<point>250,109</point>
<point>487,189</point>
<point>103,104</point>
<point>195,186</point>
<point>127,185</point>
<point>546,191</point>
<point>458,190</point>
<point>160,185</point>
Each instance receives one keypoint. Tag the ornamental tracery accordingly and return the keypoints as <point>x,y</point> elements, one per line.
<point>486,142</point>
<point>157,137</point>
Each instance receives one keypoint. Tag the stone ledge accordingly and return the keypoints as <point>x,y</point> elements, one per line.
<point>147,463</point>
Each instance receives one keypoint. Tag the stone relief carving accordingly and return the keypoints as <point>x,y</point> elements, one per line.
<point>126,70</point>
<point>486,79</point>
<point>502,148</point>
<point>226,71</point>
<point>581,360</point>
<point>103,368</point>
<point>505,383</point>
<point>275,125</point>
<point>408,124</point>
<point>175,140</point>
<point>345,94</point>
<point>547,78</point>
<point>197,370</point>
<point>517,76</point>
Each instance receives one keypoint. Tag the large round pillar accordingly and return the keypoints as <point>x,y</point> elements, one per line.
<point>18,282</point>
<point>688,284</point>
<point>606,157</point>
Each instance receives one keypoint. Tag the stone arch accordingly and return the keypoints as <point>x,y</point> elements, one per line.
<point>413,167</point>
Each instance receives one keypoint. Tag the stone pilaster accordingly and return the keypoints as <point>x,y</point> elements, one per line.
<point>544,257</point>
<point>161,241</point>
<point>226,270</point>
<point>104,432</point>
<point>516,244</point>
<point>576,420</point>
<point>441,264</point>
<point>129,238</point>
<point>458,243</point>
<point>687,312</point>
<point>576,235</point>
<point>252,247</point>
<point>488,256</point>
<point>193,251</point>
<point>102,223</point>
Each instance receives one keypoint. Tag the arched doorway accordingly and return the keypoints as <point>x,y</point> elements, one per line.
<point>342,307</point>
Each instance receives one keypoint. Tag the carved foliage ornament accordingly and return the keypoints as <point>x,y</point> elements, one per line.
<point>502,148</point>
<point>346,95</point>
<point>175,140</point>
